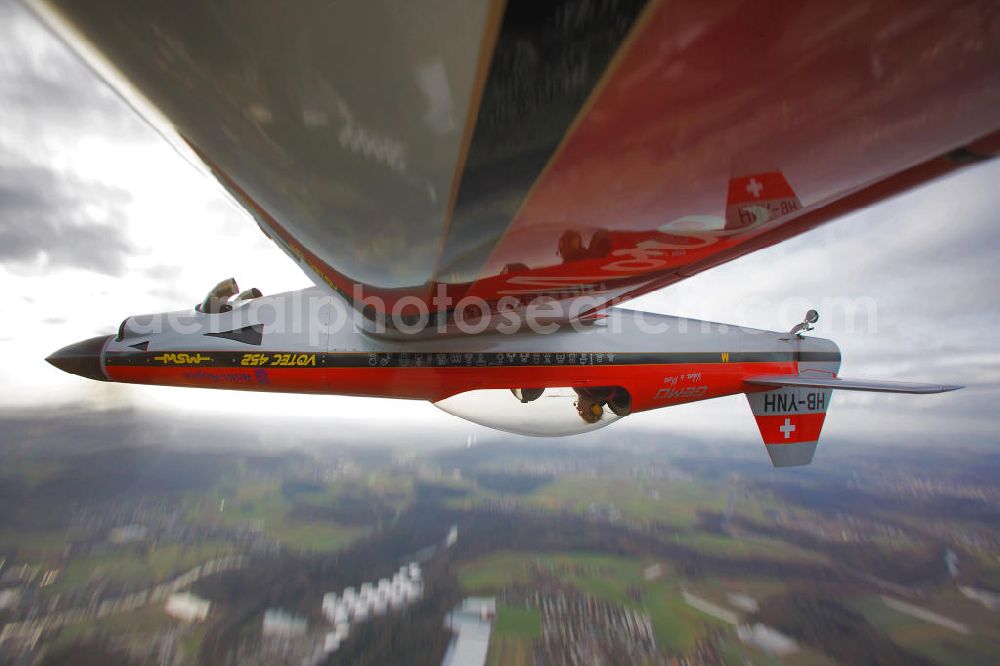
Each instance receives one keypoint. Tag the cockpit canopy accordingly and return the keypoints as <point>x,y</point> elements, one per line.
<point>537,412</point>
<point>220,297</point>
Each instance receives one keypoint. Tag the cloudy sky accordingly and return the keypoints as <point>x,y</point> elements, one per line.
<point>100,218</point>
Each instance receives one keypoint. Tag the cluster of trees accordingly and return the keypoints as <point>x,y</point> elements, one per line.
<point>513,484</point>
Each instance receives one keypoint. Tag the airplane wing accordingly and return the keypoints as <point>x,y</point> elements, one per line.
<point>492,149</point>
<point>871,385</point>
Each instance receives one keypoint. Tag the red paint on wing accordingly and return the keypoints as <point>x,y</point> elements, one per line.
<point>705,94</point>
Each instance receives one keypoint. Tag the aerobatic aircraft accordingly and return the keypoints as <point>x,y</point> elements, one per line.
<point>476,186</point>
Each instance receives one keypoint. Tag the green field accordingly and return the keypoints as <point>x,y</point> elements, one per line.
<point>509,651</point>
<point>945,647</point>
<point>520,622</point>
<point>603,576</point>
<point>262,505</point>
<point>673,503</point>
<point>677,626</point>
<point>492,573</point>
<point>728,546</point>
<point>34,546</point>
<point>929,640</point>
<point>146,621</point>
<point>315,536</point>
<point>138,564</point>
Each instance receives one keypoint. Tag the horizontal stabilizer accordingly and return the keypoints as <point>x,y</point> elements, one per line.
<point>875,385</point>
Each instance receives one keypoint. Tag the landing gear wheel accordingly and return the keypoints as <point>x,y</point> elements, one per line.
<point>527,394</point>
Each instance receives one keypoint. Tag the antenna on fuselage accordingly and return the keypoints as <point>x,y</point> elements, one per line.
<point>806,324</point>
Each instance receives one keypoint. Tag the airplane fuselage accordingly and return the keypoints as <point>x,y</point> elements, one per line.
<point>306,342</point>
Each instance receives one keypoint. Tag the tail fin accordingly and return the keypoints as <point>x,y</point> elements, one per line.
<point>790,419</point>
<point>755,199</point>
<point>790,416</point>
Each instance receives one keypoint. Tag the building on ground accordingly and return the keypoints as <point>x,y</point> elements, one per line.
<point>472,623</point>
<point>187,607</point>
<point>282,624</point>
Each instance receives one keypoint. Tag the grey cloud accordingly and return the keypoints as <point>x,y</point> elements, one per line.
<point>163,277</point>
<point>43,85</point>
<point>48,221</point>
<point>160,272</point>
<point>235,222</point>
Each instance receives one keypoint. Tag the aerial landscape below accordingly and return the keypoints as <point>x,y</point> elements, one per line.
<point>121,543</point>
<point>346,332</point>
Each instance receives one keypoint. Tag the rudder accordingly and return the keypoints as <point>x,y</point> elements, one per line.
<point>790,418</point>
<point>790,421</point>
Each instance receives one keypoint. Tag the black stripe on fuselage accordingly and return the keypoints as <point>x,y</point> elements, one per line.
<point>548,58</point>
<point>308,360</point>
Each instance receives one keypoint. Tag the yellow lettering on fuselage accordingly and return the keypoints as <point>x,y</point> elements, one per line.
<point>279,360</point>
<point>181,358</point>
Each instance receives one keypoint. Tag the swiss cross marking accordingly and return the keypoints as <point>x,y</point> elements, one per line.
<point>787,429</point>
<point>754,187</point>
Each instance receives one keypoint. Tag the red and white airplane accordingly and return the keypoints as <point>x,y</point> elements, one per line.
<point>476,186</point>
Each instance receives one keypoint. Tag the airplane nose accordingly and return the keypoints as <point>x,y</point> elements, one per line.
<point>82,358</point>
